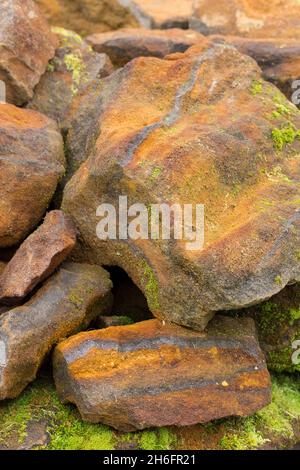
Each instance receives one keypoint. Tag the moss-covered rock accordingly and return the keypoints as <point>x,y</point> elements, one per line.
<point>276,426</point>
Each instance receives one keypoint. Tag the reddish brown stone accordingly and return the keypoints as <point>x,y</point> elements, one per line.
<point>150,374</point>
<point>31,165</point>
<point>26,46</point>
<point>71,71</point>
<point>279,59</point>
<point>38,257</point>
<point>248,18</point>
<point>87,16</point>
<point>67,303</point>
<point>201,127</point>
<point>127,44</point>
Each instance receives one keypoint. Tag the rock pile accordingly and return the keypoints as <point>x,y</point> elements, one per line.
<point>147,109</point>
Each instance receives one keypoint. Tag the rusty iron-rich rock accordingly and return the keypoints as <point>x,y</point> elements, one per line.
<point>158,14</point>
<point>150,374</point>
<point>200,128</point>
<point>248,18</point>
<point>127,44</point>
<point>67,303</point>
<point>279,59</point>
<point>26,46</point>
<point>278,325</point>
<point>71,71</point>
<point>32,163</point>
<point>88,16</point>
<point>38,257</point>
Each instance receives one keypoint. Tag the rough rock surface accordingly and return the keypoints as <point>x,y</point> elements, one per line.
<point>38,257</point>
<point>279,59</point>
<point>158,14</point>
<point>67,303</point>
<point>127,44</point>
<point>149,374</point>
<point>278,324</point>
<point>87,16</point>
<point>73,68</point>
<point>200,128</point>
<point>26,46</point>
<point>32,163</point>
<point>248,18</point>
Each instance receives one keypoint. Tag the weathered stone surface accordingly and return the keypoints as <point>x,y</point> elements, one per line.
<point>26,46</point>
<point>278,324</point>
<point>200,128</point>
<point>127,44</point>
<point>149,374</point>
<point>32,163</point>
<point>158,14</point>
<point>38,257</point>
<point>71,71</point>
<point>87,16</point>
<point>2,266</point>
<point>279,59</point>
<point>248,18</point>
<point>67,303</point>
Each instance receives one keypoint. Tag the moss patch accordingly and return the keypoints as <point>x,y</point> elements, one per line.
<point>256,87</point>
<point>284,136</point>
<point>151,287</point>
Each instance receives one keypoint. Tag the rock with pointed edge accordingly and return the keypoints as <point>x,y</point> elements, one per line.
<point>38,257</point>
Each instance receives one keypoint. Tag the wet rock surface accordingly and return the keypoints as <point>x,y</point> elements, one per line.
<point>127,44</point>
<point>247,18</point>
<point>67,303</point>
<point>38,257</point>
<point>149,374</point>
<point>69,73</point>
<point>32,164</point>
<point>26,46</point>
<point>214,132</point>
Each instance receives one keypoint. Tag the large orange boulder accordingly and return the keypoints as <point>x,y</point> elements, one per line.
<point>26,46</point>
<point>38,257</point>
<point>149,374</point>
<point>66,304</point>
<point>32,163</point>
<point>197,128</point>
<point>248,18</point>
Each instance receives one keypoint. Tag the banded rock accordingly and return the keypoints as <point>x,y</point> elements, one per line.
<point>149,374</point>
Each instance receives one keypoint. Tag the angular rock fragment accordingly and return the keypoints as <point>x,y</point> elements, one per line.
<point>279,59</point>
<point>26,46</point>
<point>127,44</point>
<point>67,303</point>
<point>71,71</point>
<point>278,324</point>
<point>38,257</point>
<point>149,374</point>
<point>87,16</point>
<point>31,165</point>
<point>200,128</point>
<point>248,18</point>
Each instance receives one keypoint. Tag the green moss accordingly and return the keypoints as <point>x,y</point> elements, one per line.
<point>67,35</point>
<point>151,287</point>
<point>77,301</point>
<point>156,172</point>
<point>75,65</point>
<point>284,136</point>
<point>160,439</point>
<point>276,420</point>
<point>278,280</point>
<point>256,87</point>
